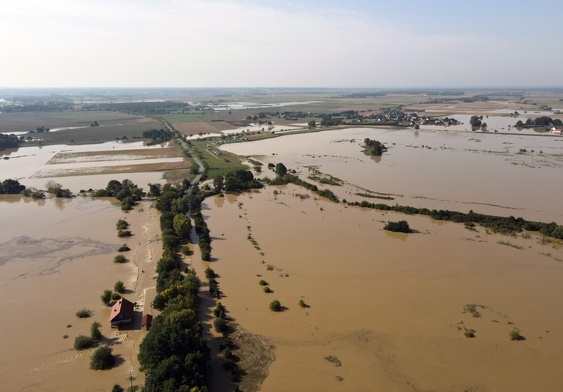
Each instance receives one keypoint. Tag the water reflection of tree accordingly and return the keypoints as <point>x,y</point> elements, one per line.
<point>376,158</point>
<point>60,203</point>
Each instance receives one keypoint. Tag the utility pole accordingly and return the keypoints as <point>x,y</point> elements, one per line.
<point>132,377</point>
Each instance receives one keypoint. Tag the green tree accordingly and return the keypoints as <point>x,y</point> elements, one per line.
<point>102,358</point>
<point>155,190</point>
<point>312,123</point>
<point>119,287</point>
<point>95,332</point>
<point>280,170</point>
<point>475,121</point>
<point>117,388</point>
<point>82,342</point>
<point>106,297</point>
<point>182,226</point>
<point>11,187</point>
<point>218,183</point>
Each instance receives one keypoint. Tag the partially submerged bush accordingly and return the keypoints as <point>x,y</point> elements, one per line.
<point>275,305</point>
<point>469,333</point>
<point>515,335</point>
<point>84,313</point>
<point>82,342</point>
<point>122,224</point>
<point>123,248</point>
<point>102,358</point>
<point>398,227</point>
<point>106,297</point>
<point>120,259</point>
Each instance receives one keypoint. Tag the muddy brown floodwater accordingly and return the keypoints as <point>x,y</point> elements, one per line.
<point>390,312</point>
<point>385,311</point>
<point>461,171</point>
<point>56,257</point>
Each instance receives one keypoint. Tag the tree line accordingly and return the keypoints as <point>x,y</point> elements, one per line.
<point>173,355</point>
<point>499,224</point>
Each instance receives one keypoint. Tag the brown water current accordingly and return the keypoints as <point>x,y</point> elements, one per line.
<point>385,311</point>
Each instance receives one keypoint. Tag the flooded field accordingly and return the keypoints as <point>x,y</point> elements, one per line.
<point>385,311</point>
<point>462,171</point>
<point>382,311</point>
<point>67,165</point>
<point>57,258</point>
<point>392,312</point>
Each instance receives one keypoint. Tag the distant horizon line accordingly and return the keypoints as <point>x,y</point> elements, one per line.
<point>286,88</point>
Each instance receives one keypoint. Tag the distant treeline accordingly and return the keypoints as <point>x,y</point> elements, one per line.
<point>374,94</point>
<point>144,108</point>
<point>499,224</point>
<point>38,107</point>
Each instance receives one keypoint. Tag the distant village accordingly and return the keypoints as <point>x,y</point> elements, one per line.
<point>389,117</point>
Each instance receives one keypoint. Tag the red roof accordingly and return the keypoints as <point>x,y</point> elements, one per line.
<point>121,312</point>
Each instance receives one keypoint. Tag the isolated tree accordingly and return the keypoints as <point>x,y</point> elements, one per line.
<point>119,287</point>
<point>106,297</point>
<point>312,123</point>
<point>102,358</point>
<point>280,170</point>
<point>95,332</point>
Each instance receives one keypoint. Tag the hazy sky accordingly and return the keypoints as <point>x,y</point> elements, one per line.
<point>287,43</point>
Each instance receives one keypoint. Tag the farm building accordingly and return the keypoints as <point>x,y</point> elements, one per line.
<point>146,321</point>
<point>121,313</point>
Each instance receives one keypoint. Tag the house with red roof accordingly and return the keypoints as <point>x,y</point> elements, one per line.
<point>121,313</point>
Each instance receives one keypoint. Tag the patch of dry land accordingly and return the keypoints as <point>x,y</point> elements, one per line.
<point>386,311</point>
<point>56,257</point>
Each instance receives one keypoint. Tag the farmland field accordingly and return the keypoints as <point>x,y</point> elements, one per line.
<point>76,126</point>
